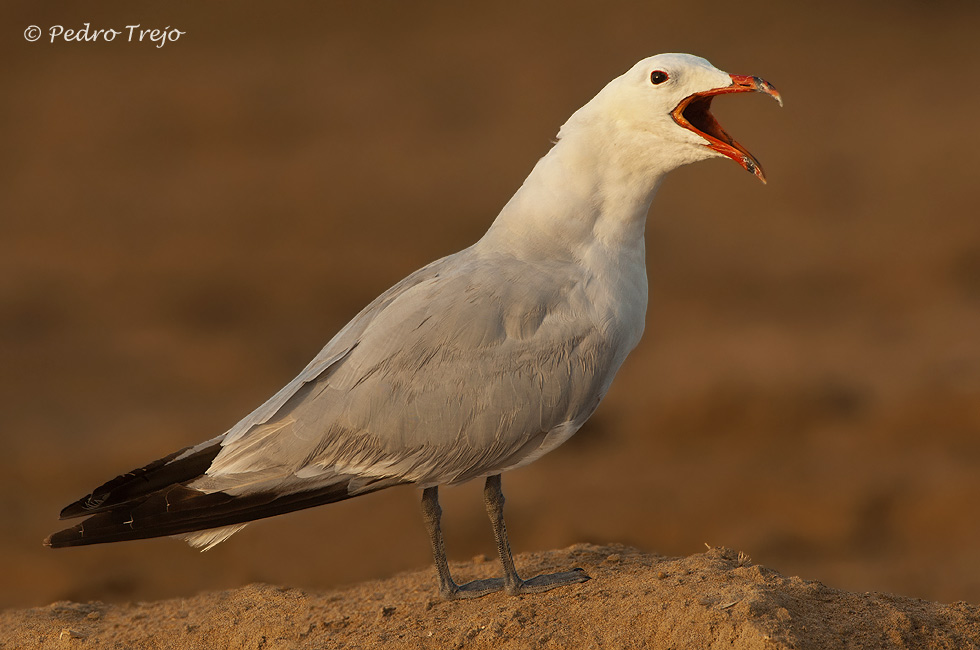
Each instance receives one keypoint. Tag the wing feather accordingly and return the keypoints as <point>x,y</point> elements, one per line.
<point>456,372</point>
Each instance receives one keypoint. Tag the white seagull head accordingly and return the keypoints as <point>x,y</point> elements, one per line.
<point>659,110</point>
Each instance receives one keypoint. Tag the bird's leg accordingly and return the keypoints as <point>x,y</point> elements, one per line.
<point>432,513</point>
<point>513,584</point>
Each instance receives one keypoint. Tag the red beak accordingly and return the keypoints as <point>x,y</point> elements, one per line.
<point>694,114</point>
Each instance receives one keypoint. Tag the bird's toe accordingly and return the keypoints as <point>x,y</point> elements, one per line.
<point>547,581</point>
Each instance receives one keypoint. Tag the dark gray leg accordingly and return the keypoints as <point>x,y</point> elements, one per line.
<point>513,584</point>
<point>432,513</point>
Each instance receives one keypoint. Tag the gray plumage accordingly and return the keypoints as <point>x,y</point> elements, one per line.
<point>499,356</point>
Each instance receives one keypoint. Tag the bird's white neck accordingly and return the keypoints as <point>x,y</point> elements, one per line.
<point>588,191</point>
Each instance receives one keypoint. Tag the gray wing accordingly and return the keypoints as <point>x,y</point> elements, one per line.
<point>467,367</point>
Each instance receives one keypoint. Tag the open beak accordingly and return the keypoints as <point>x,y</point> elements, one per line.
<point>694,114</point>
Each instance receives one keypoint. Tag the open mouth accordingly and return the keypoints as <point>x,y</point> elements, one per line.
<point>694,114</point>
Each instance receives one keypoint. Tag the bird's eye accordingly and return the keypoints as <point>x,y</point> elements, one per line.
<point>658,77</point>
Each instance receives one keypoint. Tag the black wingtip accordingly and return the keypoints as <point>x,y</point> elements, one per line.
<point>136,485</point>
<point>76,509</point>
<point>179,509</point>
<point>64,538</point>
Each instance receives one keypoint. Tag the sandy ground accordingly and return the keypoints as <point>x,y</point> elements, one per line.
<point>713,600</point>
<point>182,228</point>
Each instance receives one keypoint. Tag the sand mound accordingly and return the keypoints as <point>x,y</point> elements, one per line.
<point>717,599</point>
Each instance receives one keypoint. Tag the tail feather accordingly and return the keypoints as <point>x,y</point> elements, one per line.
<point>208,539</point>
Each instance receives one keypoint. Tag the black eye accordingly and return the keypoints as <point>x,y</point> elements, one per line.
<point>658,77</point>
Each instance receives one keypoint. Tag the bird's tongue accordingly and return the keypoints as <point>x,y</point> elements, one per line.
<point>694,114</point>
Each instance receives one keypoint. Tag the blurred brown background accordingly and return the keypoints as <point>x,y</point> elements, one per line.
<point>183,228</point>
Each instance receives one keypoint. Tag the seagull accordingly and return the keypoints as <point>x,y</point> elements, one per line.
<point>479,363</point>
